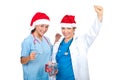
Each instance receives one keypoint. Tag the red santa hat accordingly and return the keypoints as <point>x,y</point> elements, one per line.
<point>68,21</point>
<point>39,18</point>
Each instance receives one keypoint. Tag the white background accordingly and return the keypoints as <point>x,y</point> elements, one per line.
<point>15,16</point>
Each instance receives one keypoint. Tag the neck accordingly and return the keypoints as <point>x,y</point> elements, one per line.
<point>37,35</point>
<point>67,39</point>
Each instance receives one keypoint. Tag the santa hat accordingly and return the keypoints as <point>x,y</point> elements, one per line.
<point>68,21</point>
<point>39,18</point>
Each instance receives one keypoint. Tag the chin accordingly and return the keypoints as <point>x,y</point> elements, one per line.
<point>42,34</point>
<point>66,37</point>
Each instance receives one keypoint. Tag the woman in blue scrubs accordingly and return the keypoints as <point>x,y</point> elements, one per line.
<point>70,52</point>
<point>36,49</point>
<point>64,61</point>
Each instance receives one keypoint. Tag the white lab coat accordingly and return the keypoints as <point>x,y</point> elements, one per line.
<point>78,51</point>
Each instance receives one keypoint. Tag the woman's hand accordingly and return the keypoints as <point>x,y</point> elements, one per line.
<point>32,56</point>
<point>51,68</point>
<point>99,11</point>
<point>57,37</point>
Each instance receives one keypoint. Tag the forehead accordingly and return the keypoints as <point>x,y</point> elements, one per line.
<point>68,27</point>
<point>44,24</point>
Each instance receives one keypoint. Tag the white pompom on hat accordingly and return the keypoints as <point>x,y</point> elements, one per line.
<point>68,21</point>
<point>39,18</point>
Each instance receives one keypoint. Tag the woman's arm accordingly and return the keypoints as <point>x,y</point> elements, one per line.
<point>25,60</point>
<point>26,55</point>
<point>94,30</point>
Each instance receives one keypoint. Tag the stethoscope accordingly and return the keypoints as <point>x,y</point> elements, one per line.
<point>66,52</point>
<point>35,40</point>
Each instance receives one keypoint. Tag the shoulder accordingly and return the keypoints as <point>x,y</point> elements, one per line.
<point>28,39</point>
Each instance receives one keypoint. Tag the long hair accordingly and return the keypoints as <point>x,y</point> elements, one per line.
<point>32,31</point>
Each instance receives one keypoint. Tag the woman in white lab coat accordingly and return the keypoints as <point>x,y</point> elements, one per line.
<point>70,52</point>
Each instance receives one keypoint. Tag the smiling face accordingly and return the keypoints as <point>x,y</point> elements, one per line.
<point>68,33</point>
<point>41,29</point>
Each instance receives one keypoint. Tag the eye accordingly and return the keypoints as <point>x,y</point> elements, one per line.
<point>47,26</point>
<point>42,25</point>
<point>62,28</point>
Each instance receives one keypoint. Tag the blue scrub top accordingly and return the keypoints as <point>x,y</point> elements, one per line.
<point>35,69</point>
<point>63,58</point>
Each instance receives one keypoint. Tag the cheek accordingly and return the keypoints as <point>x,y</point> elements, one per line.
<point>46,29</point>
<point>63,32</point>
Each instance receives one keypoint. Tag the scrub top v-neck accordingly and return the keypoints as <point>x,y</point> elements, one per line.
<point>63,58</point>
<point>35,69</point>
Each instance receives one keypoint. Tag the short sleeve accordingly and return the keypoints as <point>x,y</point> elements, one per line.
<point>25,48</point>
